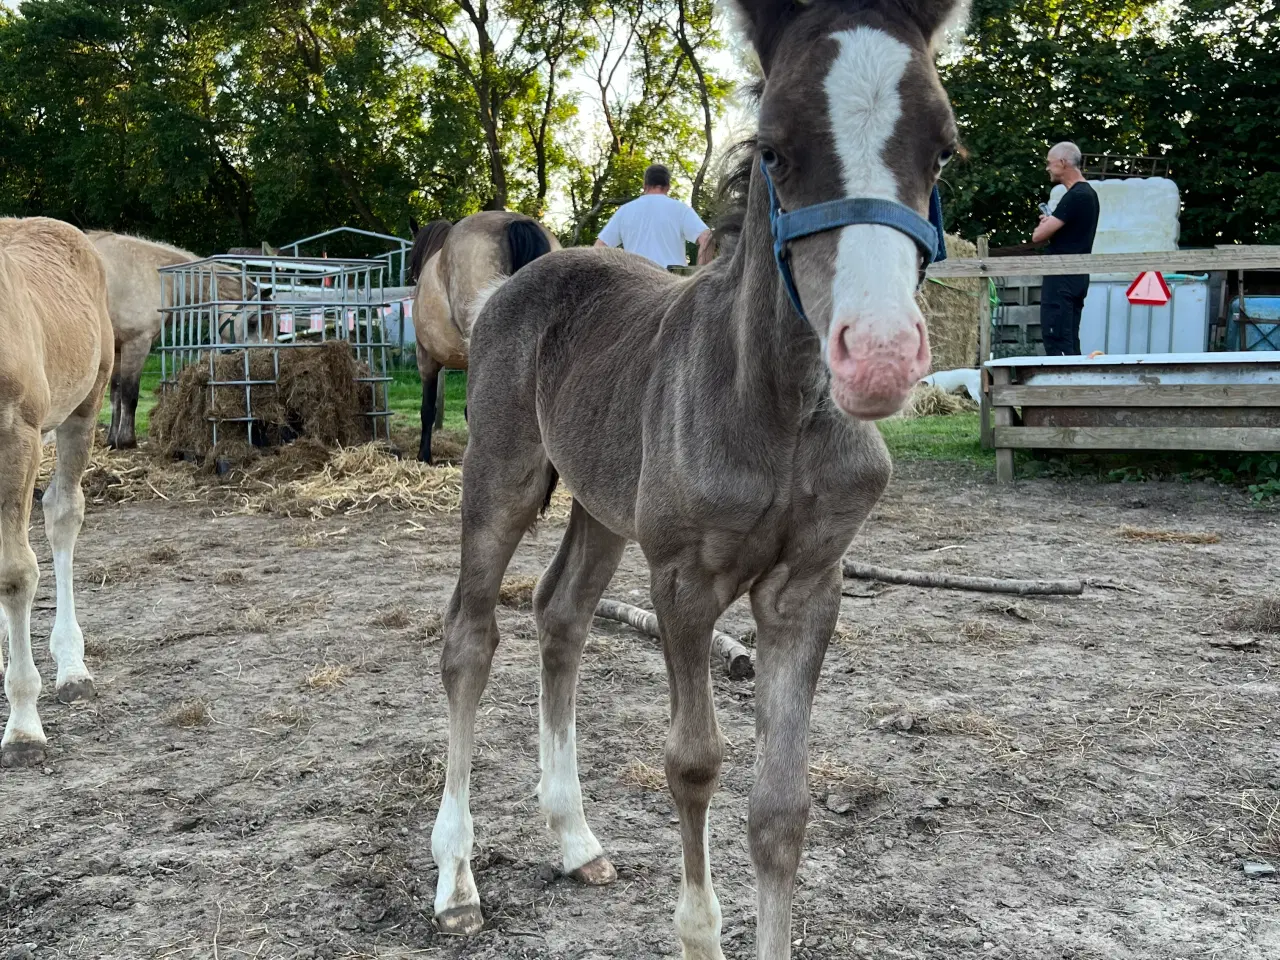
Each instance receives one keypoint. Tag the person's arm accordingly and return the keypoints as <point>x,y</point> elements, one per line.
<point>1049,225</point>
<point>695,231</point>
<point>706,248</point>
<point>611,235</point>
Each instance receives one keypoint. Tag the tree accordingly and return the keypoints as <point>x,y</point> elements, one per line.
<point>1194,81</point>
<point>649,83</point>
<point>511,55</point>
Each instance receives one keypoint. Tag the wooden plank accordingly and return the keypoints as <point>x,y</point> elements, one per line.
<point>1173,261</point>
<point>1003,419</point>
<point>984,354</point>
<point>1151,416</point>
<point>1140,438</point>
<point>1140,395</point>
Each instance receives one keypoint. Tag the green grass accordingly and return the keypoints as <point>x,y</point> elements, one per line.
<point>953,439</point>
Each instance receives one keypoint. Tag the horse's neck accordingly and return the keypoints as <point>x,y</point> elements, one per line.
<point>777,351</point>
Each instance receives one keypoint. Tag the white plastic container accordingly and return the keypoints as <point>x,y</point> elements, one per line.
<point>1136,215</point>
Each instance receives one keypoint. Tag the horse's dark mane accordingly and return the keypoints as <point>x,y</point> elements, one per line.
<point>735,184</point>
<point>426,244</point>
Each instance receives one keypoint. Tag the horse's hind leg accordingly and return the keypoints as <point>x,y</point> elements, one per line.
<point>24,741</point>
<point>133,357</point>
<point>113,431</point>
<point>428,371</point>
<point>63,516</point>
<point>503,488</point>
<point>564,604</point>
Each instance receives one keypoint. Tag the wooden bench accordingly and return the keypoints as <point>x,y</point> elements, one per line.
<point>1187,401</point>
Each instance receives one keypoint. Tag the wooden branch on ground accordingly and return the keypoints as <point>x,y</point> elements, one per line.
<point>910,578</point>
<point>735,657</point>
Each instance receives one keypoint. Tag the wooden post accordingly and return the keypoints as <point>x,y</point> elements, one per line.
<point>984,348</point>
<point>441,382</point>
<point>1003,418</point>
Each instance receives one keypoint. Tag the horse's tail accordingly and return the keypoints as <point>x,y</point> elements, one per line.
<point>528,241</point>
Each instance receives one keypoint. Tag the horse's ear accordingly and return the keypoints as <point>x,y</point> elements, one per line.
<point>936,17</point>
<point>414,227</point>
<point>764,21</point>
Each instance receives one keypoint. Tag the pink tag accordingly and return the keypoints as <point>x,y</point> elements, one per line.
<point>286,321</point>
<point>317,320</point>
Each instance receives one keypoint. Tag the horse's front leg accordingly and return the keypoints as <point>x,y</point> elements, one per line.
<point>687,610</point>
<point>795,617</point>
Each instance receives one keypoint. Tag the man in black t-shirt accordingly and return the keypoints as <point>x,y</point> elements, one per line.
<point>1070,228</point>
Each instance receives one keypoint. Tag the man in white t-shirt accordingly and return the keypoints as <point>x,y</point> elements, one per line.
<point>656,225</point>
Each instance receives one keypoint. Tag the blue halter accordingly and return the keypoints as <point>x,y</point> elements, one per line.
<point>834,214</point>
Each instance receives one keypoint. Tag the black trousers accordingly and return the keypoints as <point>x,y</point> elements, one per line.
<point>1061,303</point>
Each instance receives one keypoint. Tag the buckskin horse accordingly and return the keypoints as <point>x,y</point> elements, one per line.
<point>454,266</point>
<point>54,366</point>
<point>720,421</point>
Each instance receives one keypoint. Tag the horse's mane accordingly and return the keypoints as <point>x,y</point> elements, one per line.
<point>171,248</point>
<point>735,184</point>
<point>426,244</point>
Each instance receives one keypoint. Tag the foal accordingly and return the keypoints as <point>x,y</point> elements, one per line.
<point>55,360</point>
<point>720,422</point>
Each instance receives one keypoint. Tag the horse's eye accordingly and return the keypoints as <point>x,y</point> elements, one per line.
<point>945,157</point>
<point>770,157</point>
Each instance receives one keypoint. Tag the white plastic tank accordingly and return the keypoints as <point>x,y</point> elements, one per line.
<point>1135,215</point>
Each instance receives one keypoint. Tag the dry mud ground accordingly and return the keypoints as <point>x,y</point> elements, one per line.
<point>1081,778</point>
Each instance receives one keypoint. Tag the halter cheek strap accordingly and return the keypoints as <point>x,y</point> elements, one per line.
<point>834,214</point>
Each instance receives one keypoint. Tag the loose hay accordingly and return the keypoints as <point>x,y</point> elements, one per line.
<point>517,592</point>
<point>394,619</point>
<point>1169,536</point>
<point>356,480</point>
<point>326,676</point>
<point>191,713</point>
<point>315,395</point>
<point>637,773</point>
<point>1261,616</point>
<point>926,400</point>
<point>950,309</point>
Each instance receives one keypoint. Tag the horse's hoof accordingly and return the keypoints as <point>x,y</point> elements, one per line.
<point>22,753</point>
<point>460,921</point>
<point>74,690</point>
<point>597,873</point>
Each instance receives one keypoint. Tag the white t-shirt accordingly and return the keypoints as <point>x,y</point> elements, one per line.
<point>655,226</point>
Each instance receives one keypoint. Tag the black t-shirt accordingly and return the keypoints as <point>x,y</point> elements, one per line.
<point>1078,211</point>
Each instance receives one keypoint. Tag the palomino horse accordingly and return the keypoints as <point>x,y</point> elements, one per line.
<point>134,296</point>
<point>721,422</point>
<point>54,365</point>
<point>453,265</point>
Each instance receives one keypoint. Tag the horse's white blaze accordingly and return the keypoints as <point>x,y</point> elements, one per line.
<point>451,842</point>
<point>698,916</point>
<point>876,266</point>
<point>560,796</point>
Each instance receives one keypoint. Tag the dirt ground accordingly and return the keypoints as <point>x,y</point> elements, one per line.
<point>1067,778</point>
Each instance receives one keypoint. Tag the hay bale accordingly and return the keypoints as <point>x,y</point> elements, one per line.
<point>316,395</point>
<point>950,309</point>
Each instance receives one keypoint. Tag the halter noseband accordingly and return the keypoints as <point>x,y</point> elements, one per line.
<point>821,217</point>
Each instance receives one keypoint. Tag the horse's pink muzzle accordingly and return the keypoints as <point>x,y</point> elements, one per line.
<point>873,370</point>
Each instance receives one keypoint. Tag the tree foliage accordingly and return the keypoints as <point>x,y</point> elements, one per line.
<point>215,124</point>
<point>1194,81</point>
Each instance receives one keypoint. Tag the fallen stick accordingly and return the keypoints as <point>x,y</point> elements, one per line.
<point>736,657</point>
<point>911,578</point>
